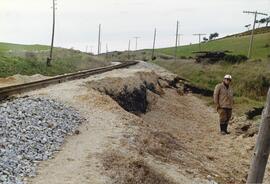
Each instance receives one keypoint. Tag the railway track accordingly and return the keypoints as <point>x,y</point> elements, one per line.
<point>5,92</point>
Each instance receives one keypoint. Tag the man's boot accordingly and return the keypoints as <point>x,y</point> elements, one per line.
<point>222,129</point>
<point>226,128</point>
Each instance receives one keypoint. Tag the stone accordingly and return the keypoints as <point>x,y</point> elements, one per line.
<point>31,130</point>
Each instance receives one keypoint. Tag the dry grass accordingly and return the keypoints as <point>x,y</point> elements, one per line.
<point>130,170</point>
<point>161,145</point>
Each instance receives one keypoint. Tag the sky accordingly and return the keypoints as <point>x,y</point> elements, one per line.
<point>30,21</point>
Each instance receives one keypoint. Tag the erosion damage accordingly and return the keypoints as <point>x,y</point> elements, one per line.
<point>139,127</point>
<point>130,92</point>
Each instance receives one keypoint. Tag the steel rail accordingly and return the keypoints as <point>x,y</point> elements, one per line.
<point>20,88</point>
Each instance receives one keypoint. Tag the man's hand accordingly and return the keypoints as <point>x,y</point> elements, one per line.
<point>217,107</point>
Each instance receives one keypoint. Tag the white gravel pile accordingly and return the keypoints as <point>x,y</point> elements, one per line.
<point>31,130</point>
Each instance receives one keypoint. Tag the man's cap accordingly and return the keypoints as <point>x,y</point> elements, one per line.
<point>228,77</point>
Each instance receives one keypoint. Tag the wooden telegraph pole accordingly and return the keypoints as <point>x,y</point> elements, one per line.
<point>99,39</point>
<point>252,32</point>
<point>199,35</point>
<point>179,39</point>
<point>176,42</point>
<point>262,148</point>
<point>136,44</point>
<point>107,50</point>
<point>154,44</point>
<point>49,59</point>
<point>128,49</point>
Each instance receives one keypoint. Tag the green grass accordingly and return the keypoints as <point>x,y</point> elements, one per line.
<point>238,45</point>
<point>5,47</point>
<point>251,79</point>
<point>31,59</point>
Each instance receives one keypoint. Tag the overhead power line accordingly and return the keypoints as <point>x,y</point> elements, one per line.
<point>255,13</point>
<point>199,35</point>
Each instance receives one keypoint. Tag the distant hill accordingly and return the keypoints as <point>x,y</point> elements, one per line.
<point>260,30</point>
<point>237,43</point>
<point>31,59</point>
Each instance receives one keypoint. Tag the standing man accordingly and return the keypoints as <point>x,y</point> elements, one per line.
<point>223,98</point>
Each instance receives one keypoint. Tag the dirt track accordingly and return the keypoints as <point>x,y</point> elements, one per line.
<point>176,141</point>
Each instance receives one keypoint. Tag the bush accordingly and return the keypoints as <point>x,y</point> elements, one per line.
<point>154,58</point>
<point>165,57</point>
<point>31,56</point>
<point>257,86</point>
<point>233,59</point>
<point>183,57</point>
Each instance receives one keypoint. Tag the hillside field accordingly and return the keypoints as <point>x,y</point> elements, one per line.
<point>31,59</point>
<point>236,44</point>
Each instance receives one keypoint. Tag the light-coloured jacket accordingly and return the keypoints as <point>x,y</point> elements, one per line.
<point>223,96</point>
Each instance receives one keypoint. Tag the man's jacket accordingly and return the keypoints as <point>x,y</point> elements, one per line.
<point>223,96</point>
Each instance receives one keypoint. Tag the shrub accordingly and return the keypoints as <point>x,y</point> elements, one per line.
<point>30,56</point>
<point>233,59</point>
<point>165,57</point>
<point>257,86</point>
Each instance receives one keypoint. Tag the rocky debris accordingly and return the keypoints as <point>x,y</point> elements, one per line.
<point>244,127</point>
<point>31,130</point>
<point>212,57</point>
<point>256,111</point>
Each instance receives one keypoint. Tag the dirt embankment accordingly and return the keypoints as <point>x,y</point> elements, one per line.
<point>141,129</point>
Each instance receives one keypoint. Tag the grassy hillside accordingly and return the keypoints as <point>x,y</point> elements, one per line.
<point>251,79</point>
<point>31,59</point>
<point>238,45</point>
<point>5,47</point>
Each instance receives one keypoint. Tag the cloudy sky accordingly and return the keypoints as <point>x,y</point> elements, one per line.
<point>29,21</point>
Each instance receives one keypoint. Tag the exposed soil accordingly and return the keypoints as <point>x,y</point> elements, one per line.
<point>176,140</point>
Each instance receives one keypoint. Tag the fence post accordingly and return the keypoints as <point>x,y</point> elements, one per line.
<point>262,148</point>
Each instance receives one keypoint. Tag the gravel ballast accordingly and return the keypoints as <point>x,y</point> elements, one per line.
<point>31,130</point>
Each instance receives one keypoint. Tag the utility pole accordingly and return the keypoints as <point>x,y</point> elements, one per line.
<point>252,32</point>
<point>262,147</point>
<point>107,50</point>
<point>179,38</point>
<point>199,35</point>
<point>136,40</point>
<point>154,44</point>
<point>49,59</point>
<point>86,48</point>
<point>91,49</point>
<point>99,37</point>
<point>176,41</point>
<point>128,49</point>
